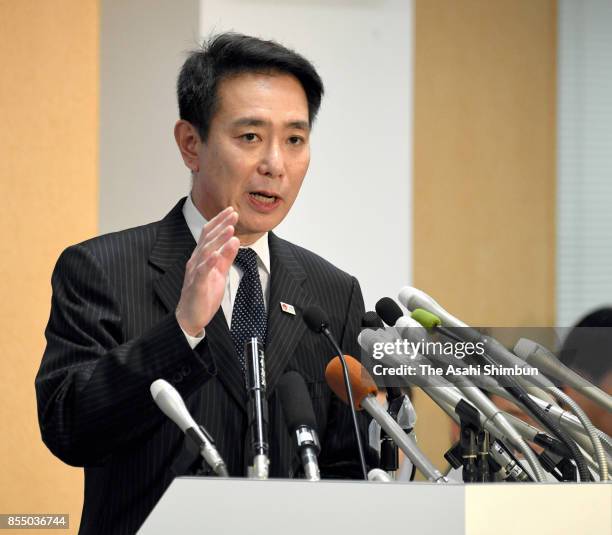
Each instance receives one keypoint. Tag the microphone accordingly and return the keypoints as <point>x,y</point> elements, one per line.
<point>526,349</point>
<point>365,398</point>
<point>510,468</point>
<point>474,395</point>
<point>301,421</point>
<point>371,320</point>
<point>389,457</point>
<point>172,405</point>
<point>540,357</point>
<point>317,321</point>
<point>376,474</point>
<point>257,408</point>
<point>413,298</point>
<point>450,399</point>
<point>388,310</point>
<point>400,408</point>
<point>409,328</point>
<point>414,332</point>
<point>576,425</point>
<point>391,313</point>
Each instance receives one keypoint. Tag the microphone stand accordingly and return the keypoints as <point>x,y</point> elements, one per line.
<point>349,394</point>
<point>389,451</point>
<point>258,408</point>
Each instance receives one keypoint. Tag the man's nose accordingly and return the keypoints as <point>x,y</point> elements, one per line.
<point>272,162</point>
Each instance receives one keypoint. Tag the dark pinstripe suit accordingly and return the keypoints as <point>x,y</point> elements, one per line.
<point>112,331</point>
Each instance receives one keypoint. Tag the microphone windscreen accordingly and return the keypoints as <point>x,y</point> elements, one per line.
<point>157,386</point>
<point>413,298</point>
<point>371,320</point>
<point>361,381</point>
<point>425,318</point>
<point>388,310</point>
<point>367,338</point>
<point>171,404</point>
<point>315,318</point>
<point>295,401</point>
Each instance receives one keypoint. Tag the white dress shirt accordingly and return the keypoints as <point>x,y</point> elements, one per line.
<point>196,221</point>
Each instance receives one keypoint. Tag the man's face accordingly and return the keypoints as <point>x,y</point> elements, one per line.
<point>257,152</point>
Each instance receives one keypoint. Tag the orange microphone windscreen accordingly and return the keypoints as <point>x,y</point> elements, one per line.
<point>362,382</point>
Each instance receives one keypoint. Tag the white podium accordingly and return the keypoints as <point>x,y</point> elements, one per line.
<point>293,507</point>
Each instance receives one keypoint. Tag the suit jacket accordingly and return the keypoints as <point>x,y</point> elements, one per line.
<point>112,331</point>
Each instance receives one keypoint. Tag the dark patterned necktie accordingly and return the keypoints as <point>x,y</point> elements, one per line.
<point>249,313</point>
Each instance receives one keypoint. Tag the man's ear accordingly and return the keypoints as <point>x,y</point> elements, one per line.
<point>189,142</point>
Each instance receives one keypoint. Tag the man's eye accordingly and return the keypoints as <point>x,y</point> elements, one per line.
<point>296,140</point>
<point>250,137</point>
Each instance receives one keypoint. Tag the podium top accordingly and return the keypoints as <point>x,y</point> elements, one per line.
<point>216,505</point>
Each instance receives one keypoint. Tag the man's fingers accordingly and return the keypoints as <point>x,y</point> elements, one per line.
<point>222,257</point>
<point>203,268</point>
<point>207,238</point>
<point>213,245</point>
<point>219,217</point>
<point>227,222</point>
<point>228,253</point>
<point>227,217</point>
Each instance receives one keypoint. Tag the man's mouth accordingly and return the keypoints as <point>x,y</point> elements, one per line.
<point>264,197</point>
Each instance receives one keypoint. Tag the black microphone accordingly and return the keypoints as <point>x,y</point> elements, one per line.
<point>388,310</point>
<point>317,321</point>
<point>371,320</point>
<point>301,421</point>
<point>257,408</point>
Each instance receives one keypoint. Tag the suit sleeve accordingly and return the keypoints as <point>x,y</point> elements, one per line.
<point>339,457</point>
<point>92,387</point>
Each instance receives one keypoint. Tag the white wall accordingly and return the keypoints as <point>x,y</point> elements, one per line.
<point>142,47</point>
<point>355,205</point>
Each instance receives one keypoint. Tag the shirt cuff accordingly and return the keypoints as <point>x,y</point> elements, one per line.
<point>193,341</point>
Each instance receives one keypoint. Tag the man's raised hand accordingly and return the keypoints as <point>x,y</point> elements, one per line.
<point>206,272</point>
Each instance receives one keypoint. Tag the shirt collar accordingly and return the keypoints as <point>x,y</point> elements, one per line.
<point>196,221</point>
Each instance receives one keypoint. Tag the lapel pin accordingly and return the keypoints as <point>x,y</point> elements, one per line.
<point>287,308</point>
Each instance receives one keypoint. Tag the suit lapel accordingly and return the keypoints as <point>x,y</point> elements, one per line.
<point>170,253</point>
<point>284,330</point>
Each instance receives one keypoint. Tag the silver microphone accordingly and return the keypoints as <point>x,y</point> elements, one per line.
<point>172,405</point>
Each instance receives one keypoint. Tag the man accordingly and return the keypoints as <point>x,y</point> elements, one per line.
<point>176,299</point>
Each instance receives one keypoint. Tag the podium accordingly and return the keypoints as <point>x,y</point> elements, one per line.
<point>204,506</point>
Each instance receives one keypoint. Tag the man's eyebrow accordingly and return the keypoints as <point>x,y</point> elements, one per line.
<point>255,121</point>
<point>299,125</point>
<point>249,121</point>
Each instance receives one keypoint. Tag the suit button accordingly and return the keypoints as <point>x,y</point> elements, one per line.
<point>185,370</point>
<point>177,377</point>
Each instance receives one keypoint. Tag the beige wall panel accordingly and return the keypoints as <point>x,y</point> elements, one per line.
<point>48,184</point>
<point>484,165</point>
<point>567,509</point>
<point>484,181</point>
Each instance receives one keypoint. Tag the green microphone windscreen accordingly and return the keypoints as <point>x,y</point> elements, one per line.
<point>425,318</point>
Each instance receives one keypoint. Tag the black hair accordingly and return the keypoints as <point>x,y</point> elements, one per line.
<point>229,54</point>
<point>588,346</point>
